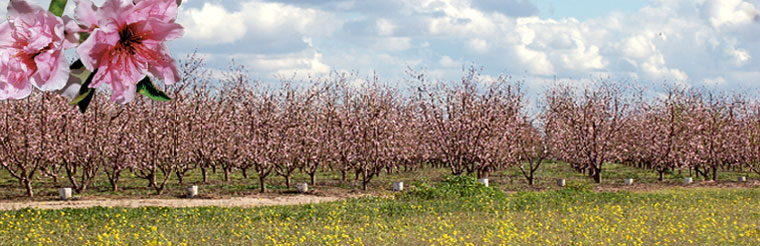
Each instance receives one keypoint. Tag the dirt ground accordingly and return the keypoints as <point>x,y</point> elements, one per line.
<point>133,203</point>
<point>269,199</point>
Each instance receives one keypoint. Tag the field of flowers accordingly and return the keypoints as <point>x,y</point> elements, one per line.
<point>456,211</point>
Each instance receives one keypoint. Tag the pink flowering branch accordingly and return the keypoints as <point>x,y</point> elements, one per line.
<point>119,45</point>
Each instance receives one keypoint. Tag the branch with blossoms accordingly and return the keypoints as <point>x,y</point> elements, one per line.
<point>119,45</point>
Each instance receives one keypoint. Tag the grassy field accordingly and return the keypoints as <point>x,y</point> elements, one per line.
<point>455,211</point>
<point>437,209</point>
<point>329,183</point>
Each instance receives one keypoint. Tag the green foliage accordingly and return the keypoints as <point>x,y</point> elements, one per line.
<point>453,187</point>
<point>57,7</point>
<point>560,217</point>
<point>84,76</point>
<point>578,188</point>
<point>148,89</point>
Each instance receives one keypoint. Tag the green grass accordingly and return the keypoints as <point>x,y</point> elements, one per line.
<point>455,211</point>
<point>330,182</point>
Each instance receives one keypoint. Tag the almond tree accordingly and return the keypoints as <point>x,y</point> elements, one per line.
<point>314,132</point>
<point>185,112</point>
<point>467,119</point>
<point>205,118</point>
<point>656,132</point>
<point>294,110</point>
<point>153,152</point>
<point>712,129</point>
<point>265,137</point>
<point>531,147</point>
<point>117,156</point>
<point>26,141</point>
<point>344,122</point>
<point>750,138</point>
<point>586,124</point>
<point>375,112</point>
<point>88,142</point>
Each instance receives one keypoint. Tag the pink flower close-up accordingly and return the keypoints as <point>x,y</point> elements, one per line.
<point>128,42</point>
<point>32,42</point>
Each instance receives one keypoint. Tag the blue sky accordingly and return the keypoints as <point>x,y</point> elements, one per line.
<point>693,42</point>
<point>585,9</point>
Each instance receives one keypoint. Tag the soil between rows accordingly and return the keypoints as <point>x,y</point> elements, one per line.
<point>165,202</point>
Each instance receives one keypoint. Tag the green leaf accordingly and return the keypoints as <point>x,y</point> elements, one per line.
<point>85,101</point>
<point>147,88</point>
<point>57,7</point>
<point>80,98</point>
<point>83,36</point>
<point>85,95</point>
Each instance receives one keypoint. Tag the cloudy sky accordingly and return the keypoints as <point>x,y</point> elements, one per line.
<point>696,42</point>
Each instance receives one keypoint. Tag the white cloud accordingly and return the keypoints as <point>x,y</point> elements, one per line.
<point>537,61</point>
<point>212,24</point>
<point>730,12</point>
<point>741,57</point>
<point>704,41</point>
<point>385,27</point>
<point>256,22</point>
<point>300,64</point>
<point>637,47</point>
<point>392,43</point>
<point>446,61</point>
<point>478,45</point>
<point>266,18</point>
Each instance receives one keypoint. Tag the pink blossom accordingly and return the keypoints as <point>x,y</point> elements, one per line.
<point>128,42</point>
<point>31,51</point>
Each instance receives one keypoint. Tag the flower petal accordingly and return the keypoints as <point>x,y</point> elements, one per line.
<point>71,32</point>
<point>52,71</point>
<point>161,31</point>
<point>6,40</point>
<point>163,10</point>
<point>86,13</point>
<point>165,68</point>
<point>14,81</point>
<point>18,8</point>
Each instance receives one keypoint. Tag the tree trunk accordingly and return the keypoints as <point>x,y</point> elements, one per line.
<point>597,175</point>
<point>28,186</point>
<point>72,179</point>
<point>662,173</point>
<point>343,175</point>
<point>714,174</point>
<point>287,181</point>
<point>113,179</point>
<point>365,182</point>
<point>180,177</point>
<point>531,177</point>
<point>204,174</point>
<point>159,189</point>
<point>226,174</point>
<point>313,177</point>
<point>152,180</point>
<point>245,172</point>
<point>262,182</point>
<point>114,184</point>
<point>81,188</point>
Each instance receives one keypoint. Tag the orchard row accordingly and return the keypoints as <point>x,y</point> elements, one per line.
<point>476,125</point>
